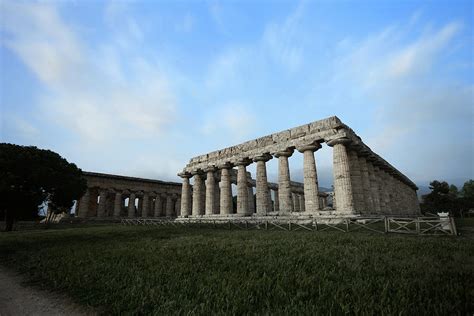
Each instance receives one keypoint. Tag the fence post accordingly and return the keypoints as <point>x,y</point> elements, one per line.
<point>266,225</point>
<point>386,224</point>
<point>347,225</point>
<point>418,225</point>
<point>454,231</point>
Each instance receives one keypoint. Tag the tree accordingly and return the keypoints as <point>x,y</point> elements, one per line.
<point>30,177</point>
<point>441,199</point>
<point>466,199</point>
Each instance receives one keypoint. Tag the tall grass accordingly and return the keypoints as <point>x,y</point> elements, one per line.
<point>142,270</point>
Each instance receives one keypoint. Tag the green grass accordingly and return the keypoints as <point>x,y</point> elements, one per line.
<point>156,270</point>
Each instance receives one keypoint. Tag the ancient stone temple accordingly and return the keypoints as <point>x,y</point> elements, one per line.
<point>364,183</point>
<point>113,196</point>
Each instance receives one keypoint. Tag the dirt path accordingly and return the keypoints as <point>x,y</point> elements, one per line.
<point>17,299</point>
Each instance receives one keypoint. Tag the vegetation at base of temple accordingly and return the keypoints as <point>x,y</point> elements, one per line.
<point>163,270</point>
<point>447,198</point>
<point>31,177</point>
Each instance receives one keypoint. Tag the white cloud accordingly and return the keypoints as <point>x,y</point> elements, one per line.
<point>101,94</point>
<point>418,107</point>
<point>232,121</point>
<point>284,41</point>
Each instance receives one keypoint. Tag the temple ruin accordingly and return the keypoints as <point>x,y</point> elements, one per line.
<point>113,196</point>
<point>364,183</point>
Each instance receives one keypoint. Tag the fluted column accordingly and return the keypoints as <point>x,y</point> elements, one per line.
<point>118,204</point>
<point>185,194</point>
<point>302,203</point>
<point>296,202</point>
<point>102,203</point>
<point>145,204</point>
<point>251,200</point>
<point>276,201</point>
<point>357,184</point>
<point>197,194</point>
<point>169,209</point>
<point>311,189</point>
<point>131,205</point>
<point>242,188</point>
<point>284,185</point>
<point>386,192</point>
<point>374,191</point>
<point>226,190</point>
<point>342,176</point>
<point>380,187</point>
<point>177,206</point>
<point>367,193</point>
<point>83,209</point>
<point>158,210</point>
<point>210,191</point>
<point>263,193</point>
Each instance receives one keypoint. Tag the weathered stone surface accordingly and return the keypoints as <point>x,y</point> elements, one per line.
<point>363,181</point>
<point>342,176</point>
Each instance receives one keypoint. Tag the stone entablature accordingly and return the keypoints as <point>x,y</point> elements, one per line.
<point>364,183</point>
<point>106,195</point>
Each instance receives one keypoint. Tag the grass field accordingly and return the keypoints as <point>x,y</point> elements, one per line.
<point>150,270</point>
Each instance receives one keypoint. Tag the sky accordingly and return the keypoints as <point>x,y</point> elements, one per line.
<point>137,88</point>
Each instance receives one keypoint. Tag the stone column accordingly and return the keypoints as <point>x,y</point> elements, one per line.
<point>386,192</point>
<point>118,204</point>
<point>380,187</point>
<point>364,173</point>
<point>131,205</point>
<point>296,202</point>
<point>102,203</point>
<point>263,192</point>
<point>145,204</point>
<point>177,206</point>
<point>310,175</point>
<point>84,205</point>
<point>357,184</point>
<point>276,202</point>
<point>197,194</point>
<point>185,194</point>
<point>342,176</point>
<point>158,205</point>
<point>284,186</point>
<point>169,209</point>
<point>242,188</point>
<point>226,190</point>
<point>210,191</point>
<point>302,203</point>
<point>217,197</point>
<point>251,200</point>
<point>374,191</point>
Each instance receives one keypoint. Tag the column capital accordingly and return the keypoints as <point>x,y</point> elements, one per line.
<point>312,147</point>
<point>265,157</point>
<point>197,172</point>
<point>284,153</point>
<point>185,174</point>
<point>243,162</point>
<point>341,140</point>
<point>209,168</point>
<point>225,165</point>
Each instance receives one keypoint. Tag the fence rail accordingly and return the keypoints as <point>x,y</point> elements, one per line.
<point>382,224</point>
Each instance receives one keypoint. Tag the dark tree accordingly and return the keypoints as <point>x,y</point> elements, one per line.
<point>441,199</point>
<point>30,177</point>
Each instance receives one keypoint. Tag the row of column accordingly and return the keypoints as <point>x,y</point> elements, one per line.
<point>362,184</point>
<point>286,201</point>
<point>150,204</point>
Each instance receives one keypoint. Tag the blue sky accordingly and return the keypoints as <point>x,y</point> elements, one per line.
<point>139,87</point>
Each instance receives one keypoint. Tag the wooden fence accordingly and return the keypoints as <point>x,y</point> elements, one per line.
<point>382,224</point>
